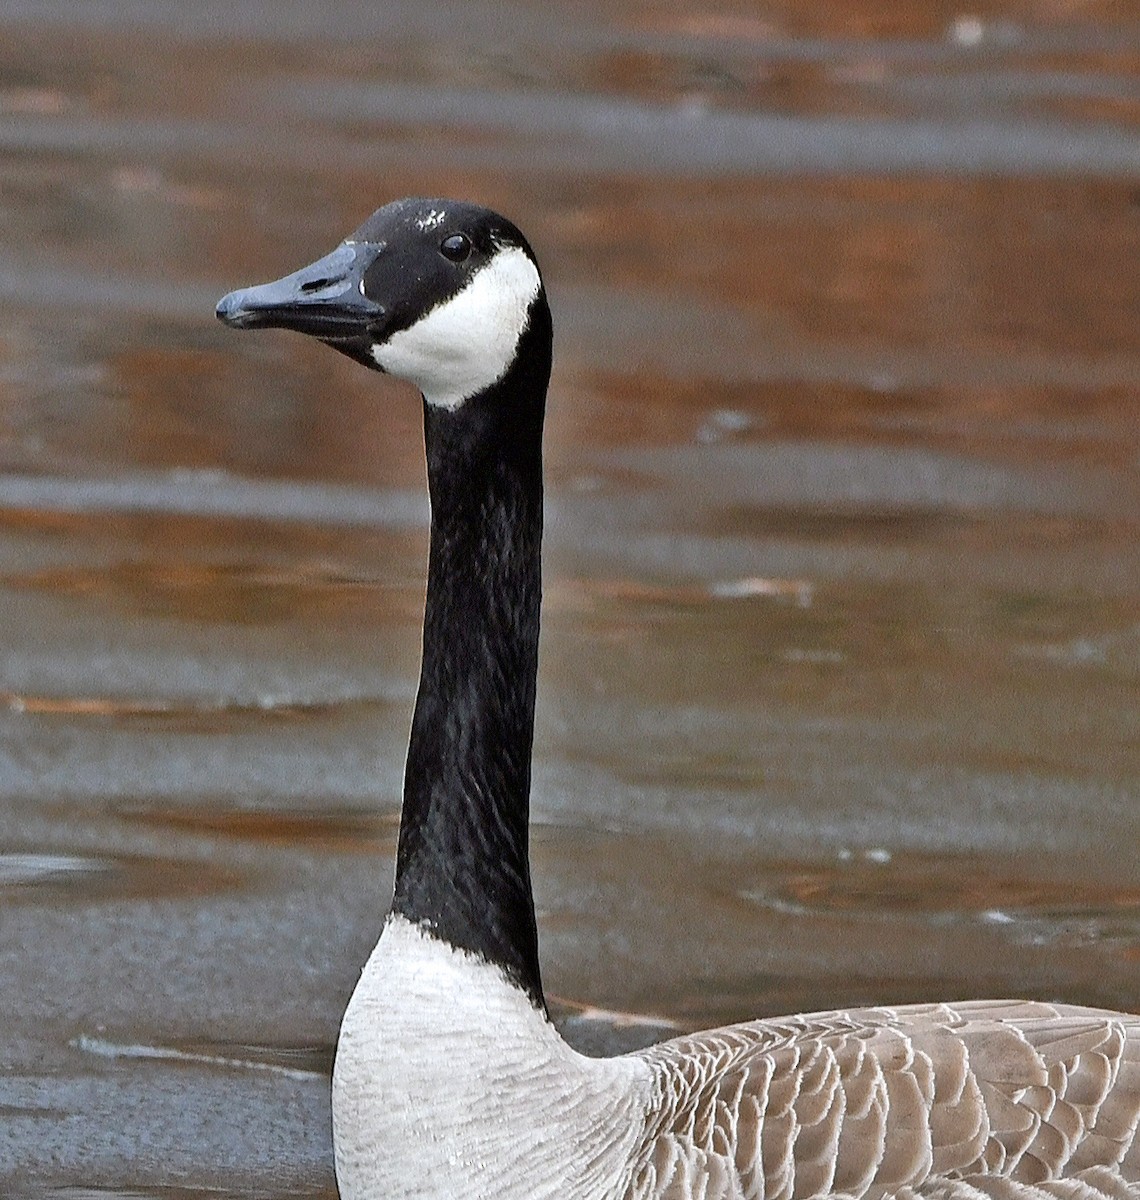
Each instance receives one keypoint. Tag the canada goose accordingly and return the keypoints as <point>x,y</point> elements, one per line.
<point>450,1081</point>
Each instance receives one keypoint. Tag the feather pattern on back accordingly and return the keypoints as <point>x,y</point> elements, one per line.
<point>1012,1100</point>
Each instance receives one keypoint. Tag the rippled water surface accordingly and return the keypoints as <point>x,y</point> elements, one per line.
<point>839,694</point>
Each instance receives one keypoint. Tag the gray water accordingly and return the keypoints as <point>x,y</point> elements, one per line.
<point>839,686</point>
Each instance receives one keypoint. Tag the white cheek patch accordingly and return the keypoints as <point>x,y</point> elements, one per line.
<point>464,345</point>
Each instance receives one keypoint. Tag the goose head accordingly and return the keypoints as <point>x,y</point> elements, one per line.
<point>437,292</point>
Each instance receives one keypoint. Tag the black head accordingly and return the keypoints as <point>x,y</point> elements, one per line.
<point>438,292</point>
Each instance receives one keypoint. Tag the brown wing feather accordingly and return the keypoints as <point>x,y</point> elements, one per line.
<point>1009,1100</point>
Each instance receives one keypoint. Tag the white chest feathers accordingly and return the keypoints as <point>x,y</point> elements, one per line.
<point>450,1085</point>
<point>465,344</point>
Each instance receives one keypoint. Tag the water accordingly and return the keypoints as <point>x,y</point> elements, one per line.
<point>839,685</point>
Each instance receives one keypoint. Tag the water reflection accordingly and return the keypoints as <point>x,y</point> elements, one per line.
<point>876,885</point>
<point>72,878</point>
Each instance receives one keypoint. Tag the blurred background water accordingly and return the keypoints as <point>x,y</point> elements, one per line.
<point>839,687</point>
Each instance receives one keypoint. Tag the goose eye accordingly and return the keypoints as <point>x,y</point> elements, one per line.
<point>456,247</point>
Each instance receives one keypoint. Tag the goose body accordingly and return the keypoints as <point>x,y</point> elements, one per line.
<point>450,1081</point>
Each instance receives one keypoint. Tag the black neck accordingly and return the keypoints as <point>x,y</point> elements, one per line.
<point>463,865</point>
